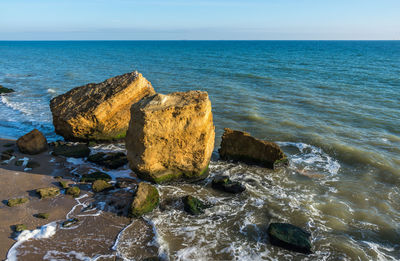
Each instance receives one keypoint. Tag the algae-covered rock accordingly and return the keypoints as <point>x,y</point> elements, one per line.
<point>48,192</point>
<point>193,205</point>
<point>4,90</point>
<point>145,200</point>
<point>223,183</point>
<point>95,176</point>
<point>99,111</point>
<point>70,222</point>
<point>8,145</point>
<point>290,237</point>
<point>64,184</point>
<point>109,160</point>
<point>32,143</point>
<point>73,191</point>
<point>171,137</point>
<point>72,150</point>
<point>240,146</point>
<point>42,215</point>
<point>101,185</point>
<point>20,227</point>
<point>16,201</point>
<point>32,164</point>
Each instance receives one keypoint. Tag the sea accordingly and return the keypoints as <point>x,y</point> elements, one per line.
<point>332,106</point>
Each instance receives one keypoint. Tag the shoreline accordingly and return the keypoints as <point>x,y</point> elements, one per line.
<point>89,208</point>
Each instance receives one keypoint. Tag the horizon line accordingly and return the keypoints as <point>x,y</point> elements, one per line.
<point>183,40</point>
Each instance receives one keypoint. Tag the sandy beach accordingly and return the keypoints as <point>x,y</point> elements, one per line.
<point>101,219</point>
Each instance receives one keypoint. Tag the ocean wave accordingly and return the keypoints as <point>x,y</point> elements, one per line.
<point>311,160</point>
<point>16,106</point>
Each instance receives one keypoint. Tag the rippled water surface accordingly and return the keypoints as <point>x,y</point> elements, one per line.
<point>334,107</point>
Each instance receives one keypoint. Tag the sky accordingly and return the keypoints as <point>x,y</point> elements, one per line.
<point>200,20</point>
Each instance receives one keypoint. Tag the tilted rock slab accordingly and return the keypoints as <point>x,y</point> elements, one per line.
<point>171,137</point>
<point>99,111</point>
<point>240,146</point>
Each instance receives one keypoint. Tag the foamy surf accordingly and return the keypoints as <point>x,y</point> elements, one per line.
<point>45,231</point>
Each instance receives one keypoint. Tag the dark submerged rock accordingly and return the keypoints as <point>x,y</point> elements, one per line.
<point>70,222</point>
<point>240,146</point>
<point>109,160</point>
<point>193,206</point>
<point>71,150</point>
<point>223,183</point>
<point>95,176</point>
<point>33,164</point>
<point>8,154</point>
<point>290,237</point>
<point>32,143</point>
<point>4,90</point>
<point>126,183</point>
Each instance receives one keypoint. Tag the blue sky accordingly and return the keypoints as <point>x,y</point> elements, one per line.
<point>198,20</point>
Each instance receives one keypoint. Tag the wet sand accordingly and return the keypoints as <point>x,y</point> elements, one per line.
<point>102,216</point>
<point>16,183</point>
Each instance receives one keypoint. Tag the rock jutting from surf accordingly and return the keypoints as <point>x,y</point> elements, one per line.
<point>241,146</point>
<point>171,137</point>
<point>99,111</point>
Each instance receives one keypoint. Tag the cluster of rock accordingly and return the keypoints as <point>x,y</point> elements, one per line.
<point>169,138</point>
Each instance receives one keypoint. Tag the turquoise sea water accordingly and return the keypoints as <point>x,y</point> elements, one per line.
<point>334,106</point>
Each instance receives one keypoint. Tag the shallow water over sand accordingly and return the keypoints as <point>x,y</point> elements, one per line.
<point>333,106</point>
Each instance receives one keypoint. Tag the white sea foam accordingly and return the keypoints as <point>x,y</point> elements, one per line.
<point>120,147</point>
<point>17,106</point>
<point>9,160</point>
<point>51,90</point>
<point>311,159</point>
<point>45,231</point>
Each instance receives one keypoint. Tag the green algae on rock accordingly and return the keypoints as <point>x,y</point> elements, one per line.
<point>290,237</point>
<point>145,200</point>
<point>193,205</point>
<point>100,185</point>
<point>95,176</point>
<point>16,201</point>
<point>64,184</point>
<point>48,192</point>
<point>42,215</point>
<point>73,191</point>
<point>20,227</point>
<point>71,150</point>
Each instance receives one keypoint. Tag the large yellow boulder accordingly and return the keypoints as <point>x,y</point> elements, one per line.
<point>99,111</point>
<point>171,137</point>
